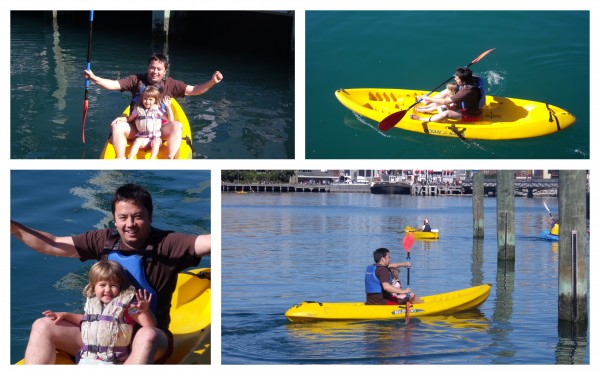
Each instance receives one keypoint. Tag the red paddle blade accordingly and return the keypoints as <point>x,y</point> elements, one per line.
<point>408,241</point>
<point>482,56</point>
<point>85,109</point>
<point>391,121</point>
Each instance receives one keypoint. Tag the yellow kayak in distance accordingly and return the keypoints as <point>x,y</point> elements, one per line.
<point>502,118</point>
<point>420,235</point>
<point>185,150</point>
<point>437,304</point>
<point>190,320</point>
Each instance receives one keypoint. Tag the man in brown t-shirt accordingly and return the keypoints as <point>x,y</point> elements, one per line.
<point>167,86</point>
<point>172,253</point>
<point>378,286</point>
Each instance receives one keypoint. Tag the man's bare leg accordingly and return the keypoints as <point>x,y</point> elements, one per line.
<point>148,344</point>
<point>120,133</point>
<point>172,131</point>
<point>46,337</point>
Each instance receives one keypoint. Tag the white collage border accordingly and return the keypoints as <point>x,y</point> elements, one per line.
<point>299,6</point>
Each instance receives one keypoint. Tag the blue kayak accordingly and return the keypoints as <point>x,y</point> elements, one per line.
<point>548,236</point>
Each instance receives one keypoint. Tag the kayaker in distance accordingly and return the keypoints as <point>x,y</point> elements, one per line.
<point>111,297</point>
<point>378,281</point>
<point>167,86</point>
<point>426,227</point>
<point>451,89</point>
<point>468,100</point>
<point>554,228</point>
<point>153,258</point>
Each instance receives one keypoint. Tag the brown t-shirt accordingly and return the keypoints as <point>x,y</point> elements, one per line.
<point>469,95</point>
<point>383,274</point>
<point>168,86</point>
<point>174,253</point>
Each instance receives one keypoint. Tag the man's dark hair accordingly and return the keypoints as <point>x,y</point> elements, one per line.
<point>465,74</point>
<point>159,57</point>
<point>132,193</point>
<point>382,252</point>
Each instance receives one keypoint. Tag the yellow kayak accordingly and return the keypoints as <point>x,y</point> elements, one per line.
<point>185,150</point>
<point>437,304</point>
<point>190,320</point>
<point>420,235</point>
<point>502,118</point>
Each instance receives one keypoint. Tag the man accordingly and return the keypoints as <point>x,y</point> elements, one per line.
<point>162,255</point>
<point>378,279</point>
<point>468,99</point>
<point>167,86</point>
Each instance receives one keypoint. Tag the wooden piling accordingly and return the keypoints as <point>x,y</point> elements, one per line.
<point>572,248</point>
<point>505,215</point>
<point>478,204</point>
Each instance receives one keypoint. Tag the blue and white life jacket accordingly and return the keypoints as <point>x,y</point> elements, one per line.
<point>149,121</point>
<point>134,261</point>
<point>105,333</point>
<point>372,284</point>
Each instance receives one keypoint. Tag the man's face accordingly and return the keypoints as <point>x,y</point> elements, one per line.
<point>133,224</point>
<point>386,260</point>
<point>156,71</point>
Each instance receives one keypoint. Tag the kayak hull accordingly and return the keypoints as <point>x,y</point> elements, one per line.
<point>190,320</point>
<point>420,235</point>
<point>548,236</point>
<point>185,150</point>
<point>502,118</point>
<point>438,304</point>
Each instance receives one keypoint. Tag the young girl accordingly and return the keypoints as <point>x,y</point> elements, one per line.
<point>401,297</point>
<point>451,89</point>
<point>112,309</point>
<point>148,116</point>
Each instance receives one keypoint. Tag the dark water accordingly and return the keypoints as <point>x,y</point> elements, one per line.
<point>280,249</point>
<point>540,55</point>
<point>72,202</point>
<point>249,115</point>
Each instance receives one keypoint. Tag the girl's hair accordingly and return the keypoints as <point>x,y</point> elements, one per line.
<point>105,270</point>
<point>452,86</point>
<point>395,272</point>
<point>152,92</point>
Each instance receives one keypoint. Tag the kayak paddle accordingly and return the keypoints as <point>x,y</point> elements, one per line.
<point>547,209</point>
<point>87,81</point>
<point>391,120</point>
<point>408,241</point>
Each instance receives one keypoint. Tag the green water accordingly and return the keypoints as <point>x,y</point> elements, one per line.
<point>540,55</point>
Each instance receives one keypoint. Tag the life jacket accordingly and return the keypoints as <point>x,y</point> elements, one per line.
<point>149,121</point>
<point>134,262</point>
<point>372,284</point>
<point>479,83</point>
<point>554,230</point>
<point>105,333</point>
<point>426,228</point>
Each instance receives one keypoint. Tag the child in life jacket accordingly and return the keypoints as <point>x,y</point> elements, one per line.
<point>396,298</point>
<point>148,116</point>
<point>451,89</point>
<point>112,309</point>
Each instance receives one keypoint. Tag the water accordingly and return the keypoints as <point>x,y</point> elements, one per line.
<point>249,115</point>
<point>280,249</point>
<point>72,202</point>
<point>535,52</point>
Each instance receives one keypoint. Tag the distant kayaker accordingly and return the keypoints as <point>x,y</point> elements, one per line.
<point>153,258</point>
<point>112,309</point>
<point>378,280</point>
<point>426,227</point>
<point>468,100</point>
<point>554,228</point>
<point>167,86</point>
